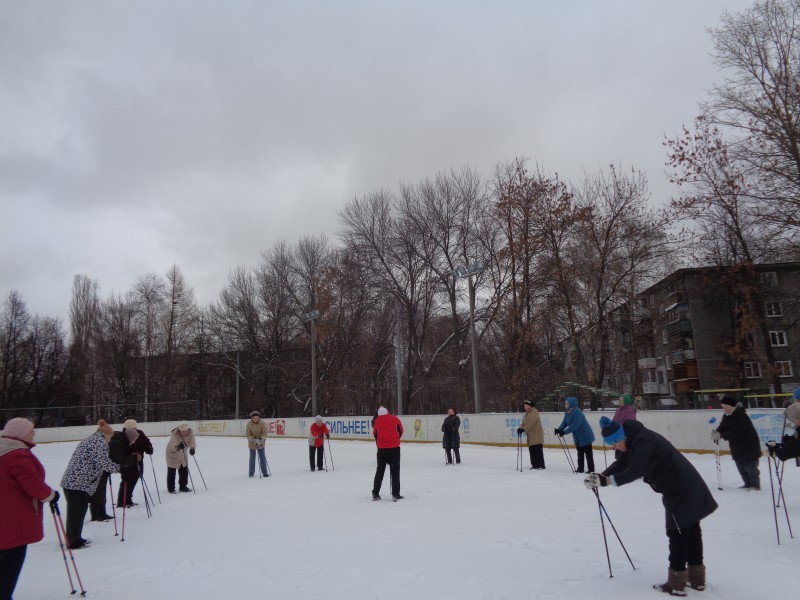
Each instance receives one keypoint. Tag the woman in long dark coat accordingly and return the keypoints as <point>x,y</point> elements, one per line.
<point>451,439</point>
<point>686,497</point>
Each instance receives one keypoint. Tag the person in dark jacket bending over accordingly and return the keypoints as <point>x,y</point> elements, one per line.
<point>737,429</point>
<point>686,497</point>
<point>790,446</point>
<point>138,445</point>
<point>387,431</point>
<point>451,439</point>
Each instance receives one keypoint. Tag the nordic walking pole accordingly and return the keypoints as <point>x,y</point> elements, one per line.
<point>774,507</point>
<point>54,509</point>
<point>155,478</point>
<point>57,513</point>
<point>605,458</point>
<point>124,506</point>
<point>186,457</point>
<point>614,529</point>
<point>113,505</point>
<point>519,452</point>
<point>715,437</point>
<point>782,497</point>
<point>567,453</point>
<point>603,526</point>
<point>266,462</point>
<point>199,471</point>
<point>145,492</point>
<point>333,468</point>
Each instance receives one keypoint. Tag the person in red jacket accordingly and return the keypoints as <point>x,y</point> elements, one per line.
<point>387,430</point>
<point>24,493</point>
<point>316,440</point>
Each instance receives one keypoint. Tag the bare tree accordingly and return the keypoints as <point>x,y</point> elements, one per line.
<point>759,101</point>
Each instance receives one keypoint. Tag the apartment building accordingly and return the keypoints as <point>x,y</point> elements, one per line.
<point>710,329</point>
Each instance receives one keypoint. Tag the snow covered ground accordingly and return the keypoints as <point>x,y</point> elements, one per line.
<point>480,530</point>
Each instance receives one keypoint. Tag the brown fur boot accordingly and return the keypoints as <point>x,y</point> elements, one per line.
<point>676,583</point>
<point>697,577</point>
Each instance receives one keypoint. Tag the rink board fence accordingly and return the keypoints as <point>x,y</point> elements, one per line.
<point>689,431</point>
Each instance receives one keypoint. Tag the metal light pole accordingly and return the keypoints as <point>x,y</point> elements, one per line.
<point>467,272</point>
<point>313,316</point>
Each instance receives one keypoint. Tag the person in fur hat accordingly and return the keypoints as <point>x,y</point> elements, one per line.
<point>181,440</point>
<point>790,445</point>
<point>686,497</point>
<point>24,493</point>
<point>256,434</point>
<point>737,429</point>
<point>82,476</point>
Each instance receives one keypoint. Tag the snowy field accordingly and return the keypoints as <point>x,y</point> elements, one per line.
<point>480,530</point>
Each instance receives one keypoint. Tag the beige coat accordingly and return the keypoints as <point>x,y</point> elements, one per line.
<point>175,456</point>
<point>256,434</point>
<point>532,424</point>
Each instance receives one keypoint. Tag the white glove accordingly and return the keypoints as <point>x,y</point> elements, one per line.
<point>594,480</point>
<point>715,436</point>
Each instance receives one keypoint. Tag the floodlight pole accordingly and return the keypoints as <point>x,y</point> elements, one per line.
<point>467,272</point>
<point>313,316</point>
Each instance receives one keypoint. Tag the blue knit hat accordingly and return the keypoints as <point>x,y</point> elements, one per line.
<point>611,432</point>
<point>797,394</point>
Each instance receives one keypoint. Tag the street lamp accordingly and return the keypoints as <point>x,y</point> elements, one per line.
<point>313,316</point>
<point>467,272</point>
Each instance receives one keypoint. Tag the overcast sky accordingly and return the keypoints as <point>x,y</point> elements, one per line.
<point>138,135</point>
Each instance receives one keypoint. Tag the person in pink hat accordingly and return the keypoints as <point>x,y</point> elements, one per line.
<point>24,493</point>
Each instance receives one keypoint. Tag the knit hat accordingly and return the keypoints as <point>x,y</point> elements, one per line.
<point>104,427</point>
<point>17,428</point>
<point>183,427</point>
<point>132,434</point>
<point>255,413</point>
<point>796,394</point>
<point>382,411</point>
<point>627,400</point>
<point>612,432</point>
<point>318,420</point>
<point>528,402</point>
<point>729,401</point>
<point>793,412</point>
<point>130,424</point>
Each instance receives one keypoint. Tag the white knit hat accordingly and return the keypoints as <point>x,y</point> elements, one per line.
<point>130,424</point>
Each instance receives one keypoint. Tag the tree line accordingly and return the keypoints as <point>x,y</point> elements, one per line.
<point>551,260</point>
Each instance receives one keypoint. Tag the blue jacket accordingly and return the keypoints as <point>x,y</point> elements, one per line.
<point>575,423</point>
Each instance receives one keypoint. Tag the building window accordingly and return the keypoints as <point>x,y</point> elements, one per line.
<point>750,339</point>
<point>673,316</point>
<point>777,338</point>
<point>664,336</point>
<point>768,279</point>
<point>668,362</point>
<point>773,309</point>
<point>752,370</point>
<point>783,368</point>
<point>661,377</point>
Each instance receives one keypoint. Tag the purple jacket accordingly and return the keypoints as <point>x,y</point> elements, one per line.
<point>624,413</point>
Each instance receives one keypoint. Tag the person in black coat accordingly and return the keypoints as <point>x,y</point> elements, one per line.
<point>686,497</point>
<point>451,440</point>
<point>790,446</point>
<point>137,445</point>
<point>737,429</point>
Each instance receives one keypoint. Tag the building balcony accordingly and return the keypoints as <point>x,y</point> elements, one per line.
<point>685,386</point>
<point>650,388</point>
<point>682,356</point>
<point>679,327</point>
<point>647,363</point>
<point>685,371</point>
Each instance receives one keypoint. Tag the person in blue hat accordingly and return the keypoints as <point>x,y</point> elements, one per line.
<point>686,497</point>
